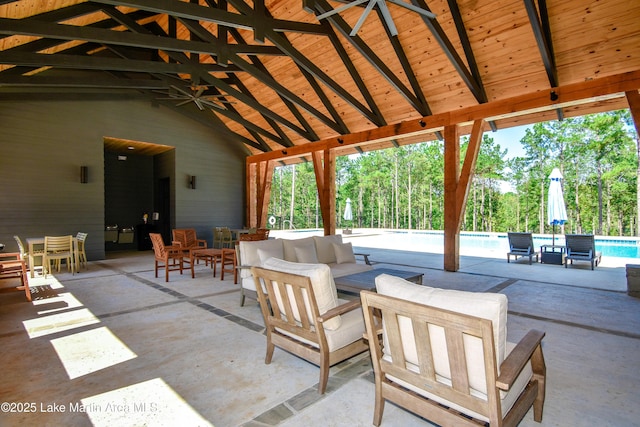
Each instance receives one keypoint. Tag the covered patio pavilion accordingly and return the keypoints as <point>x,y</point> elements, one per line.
<point>135,350</point>
<point>294,81</point>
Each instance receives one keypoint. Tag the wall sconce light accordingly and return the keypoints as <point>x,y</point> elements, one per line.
<point>192,182</point>
<point>84,174</point>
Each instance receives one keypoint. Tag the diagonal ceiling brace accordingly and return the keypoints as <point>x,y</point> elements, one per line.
<point>322,6</point>
<point>446,45</point>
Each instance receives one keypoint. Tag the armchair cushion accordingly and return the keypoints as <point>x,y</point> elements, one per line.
<point>322,282</point>
<point>344,253</point>
<point>485,305</point>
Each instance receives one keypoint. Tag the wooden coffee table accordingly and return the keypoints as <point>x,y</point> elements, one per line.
<point>209,255</point>
<point>366,281</point>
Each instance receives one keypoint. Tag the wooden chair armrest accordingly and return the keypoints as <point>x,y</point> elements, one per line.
<point>518,358</point>
<point>341,309</point>
<point>10,256</point>
<point>365,256</point>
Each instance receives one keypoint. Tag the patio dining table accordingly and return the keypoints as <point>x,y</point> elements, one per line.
<point>36,250</point>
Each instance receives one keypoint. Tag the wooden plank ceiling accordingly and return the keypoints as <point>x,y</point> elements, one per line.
<point>270,75</point>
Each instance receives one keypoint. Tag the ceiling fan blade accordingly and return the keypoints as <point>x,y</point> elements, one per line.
<point>364,15</point>
<point>198,103</point>
<point>340,9</point>
<point>182,91</point>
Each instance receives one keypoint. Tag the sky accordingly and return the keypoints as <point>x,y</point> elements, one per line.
<point>510,139</point>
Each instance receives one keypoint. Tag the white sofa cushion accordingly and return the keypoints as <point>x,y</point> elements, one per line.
<point>322,282</point>
<point>324,247</point>
<point>339,270</point>
<point>344,253</point>
<point>290,245</point>
<point>485,305</point>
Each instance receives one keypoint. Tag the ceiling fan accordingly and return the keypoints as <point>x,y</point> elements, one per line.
<point>196,94</point>
<point>382,4</point>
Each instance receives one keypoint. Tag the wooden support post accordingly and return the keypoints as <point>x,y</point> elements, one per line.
<point>451,174</point>
<point>324,166</point>
<point>456,188</point>
<point>259,177</point>
<point>633,98</point>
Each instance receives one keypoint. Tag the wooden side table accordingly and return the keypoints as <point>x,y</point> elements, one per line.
<point>552,254</point>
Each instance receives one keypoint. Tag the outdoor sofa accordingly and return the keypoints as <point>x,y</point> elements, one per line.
<point>330,250</point>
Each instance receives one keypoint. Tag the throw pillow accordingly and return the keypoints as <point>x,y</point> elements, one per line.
<point>324,247</point>
<point>344,253</point>
<point>267,253</point>
<point>306,254</point>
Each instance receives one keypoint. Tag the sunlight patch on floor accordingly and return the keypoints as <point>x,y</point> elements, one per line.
<point>151,402</point>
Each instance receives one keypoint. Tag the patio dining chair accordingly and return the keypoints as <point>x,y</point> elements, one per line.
<point>171,258</point>
<point>58,248</point>
<point>521,245</point>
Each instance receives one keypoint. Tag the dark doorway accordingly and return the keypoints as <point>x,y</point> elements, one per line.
<point>163,207</point>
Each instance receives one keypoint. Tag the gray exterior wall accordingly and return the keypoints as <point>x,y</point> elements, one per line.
<point>44,143</point>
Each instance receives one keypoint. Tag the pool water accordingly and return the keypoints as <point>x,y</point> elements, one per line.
<point>496,243</point>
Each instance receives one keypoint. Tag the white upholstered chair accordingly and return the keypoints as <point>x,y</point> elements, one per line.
<point>444,355</point>
<point>303,315</point>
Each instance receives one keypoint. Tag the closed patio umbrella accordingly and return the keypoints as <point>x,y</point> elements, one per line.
<point>348,215</point>
<point>556,210</point>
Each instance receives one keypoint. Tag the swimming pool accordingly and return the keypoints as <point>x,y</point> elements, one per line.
<point>494,243</point>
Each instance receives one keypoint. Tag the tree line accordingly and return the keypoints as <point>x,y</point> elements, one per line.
<point>403,187</point>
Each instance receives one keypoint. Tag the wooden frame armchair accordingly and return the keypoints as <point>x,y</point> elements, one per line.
<point>171,258</point>
<point>188,239</point>
<point>303,315</point>
<point>444,364</point>
<point>521,245</point>
<point>13,266</point>
<point>581,247</point>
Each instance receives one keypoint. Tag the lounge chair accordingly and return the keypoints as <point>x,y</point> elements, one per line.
<point>521,245</point>
<point>582,247</point>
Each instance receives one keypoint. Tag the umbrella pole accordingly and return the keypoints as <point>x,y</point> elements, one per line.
<point>553,236</point>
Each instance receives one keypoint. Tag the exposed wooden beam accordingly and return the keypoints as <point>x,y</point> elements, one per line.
<point>75,82</point>
<point>322,6</point>
<point>451,208</point>
<point>124,38</point>
<point>468,51</point>
<point>92,62</point>
<point>542,39</point>
<point>633,98</point>
<point>449,50</point>
<point>456,187</point>
<point>324,167</point>
<point>570,95</point>
<point>247,21</point>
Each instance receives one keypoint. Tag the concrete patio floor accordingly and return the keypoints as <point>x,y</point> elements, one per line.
<point>114,346</point>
